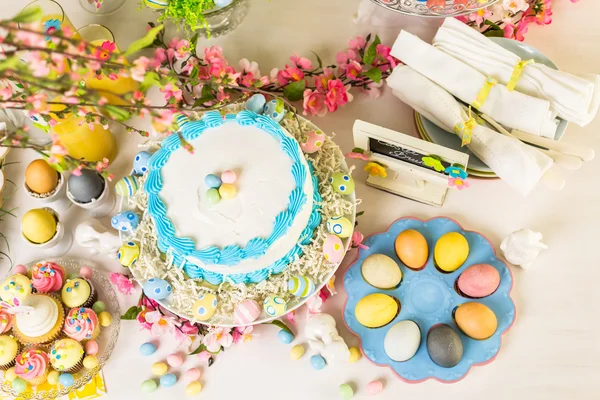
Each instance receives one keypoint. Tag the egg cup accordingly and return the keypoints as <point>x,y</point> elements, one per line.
<point>100,207</point>
<point>56,198</point>
<point>59,244</point>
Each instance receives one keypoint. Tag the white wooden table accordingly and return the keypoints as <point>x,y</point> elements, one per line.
<point>553,350</point>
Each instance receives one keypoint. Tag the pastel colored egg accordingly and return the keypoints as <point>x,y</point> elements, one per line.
<point>228,176</point>
<point>274,306</point>
<point>412,249</point>
<point>204,308</point>
<point>192,374</point>
<point>333,249</point>
<point>317,362</point>
<point>127,186</point>
<point>313,142</point>
<point>53,377</point>
<point>175,360</point>
<point>346,391</point>
<point>159,368</point>
<point>105,318</point>
<point>65,379</point>
<point>20,269</point>
<point>285,337</point>
<point>451,251</point>
<point>476,320</point>
<point>275,109</point>
<point>99,306</point>
<point>301,286</point>
<point>140,162</point>
<point>125,221</point>
<point>90,362</point>
<point>147,349</point>
<point>40,177</point>
<point>297,352</point>
<point>479,280</point>
<point>374,387</point>
<point>402,341</point>
<point>223,3</point>
<point>246,312</point>
<point>376,310</point>
<point>444,346</point>
<point>256,103</point>
<point>342,183</point>
<point>340,226</point>
<point>193,388</point>
<point>156,4</point>
<point>86,186</point>
<point>128,254</point>
<point>38,225</point>
<point>213,197</point>
<point>168,380</point>
<point>157,289</point>
<point>212,181</point>
<point>91,347</point>
<point>19,385</point>
<point>355,354</point>
<point>227,191</point>
<point>86,272</point>
<point>149,386</point>
<point>381,271</point>
<point>10,374</point>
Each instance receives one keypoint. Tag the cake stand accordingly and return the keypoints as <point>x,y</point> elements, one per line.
<point>419,8</point>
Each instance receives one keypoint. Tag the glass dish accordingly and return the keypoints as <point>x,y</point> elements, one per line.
<point>419,7</point>
<point>221,21</point>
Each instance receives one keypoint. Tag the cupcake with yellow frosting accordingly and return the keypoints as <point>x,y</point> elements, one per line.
<point>78,292</point>
<point>40,321</point>
<point>9,348</point>
<point>15,289</point>
<point>66,355</point>
<point>32,365</point>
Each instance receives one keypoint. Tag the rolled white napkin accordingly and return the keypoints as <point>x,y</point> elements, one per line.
<point>512,109</point>
<point>575,98</point>
<point>519,165</point>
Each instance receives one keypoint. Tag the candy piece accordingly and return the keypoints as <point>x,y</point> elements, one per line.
<point>128,254</point>
<point>10,374</point>
<point>175,360</point>
<point>275,109</point>
<point>91,347</point>
<point>140,162</point>
<point>90,362</point>
<point>19,385</point>
<point>301,286</point>
<point>256,103</point>
<point>313,142</point>
<point>125,221</point>
<point>333,249</point>
<point>149,386</point>
<point>297,352</point>
<point>212,181</point>
<point>246,312</point>
<point>274,306</point>
<point>98,307</point>
<point>159,368</point>
<point>227,191</point>
<point>346,391</point>
<point>53,377</point>
<point>317,362</point>
<point>192,374</point>
<point>105,318</point>
<point>157,289</point>
<point>193,388</point>
<point>204,308</point>
<point>147,349</point>
<point>20,269</point>
<point>127,186</point>
<point>285,337</point>
<point>374,387</point>
<point>342,183</point>
<point>355,355</point>
<point>212,196</point>
<point>340,226</point>
<point>65,379</point>
<point>168,380</point>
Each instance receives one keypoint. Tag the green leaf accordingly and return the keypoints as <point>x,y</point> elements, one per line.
<point>194,73</point>
<point>198,350</point>
<point>194,43</point>
<point>492,24</point>
<point>374,74</point>
<point>282,326</point>
<point>294,91</point>
<point>9,63</point>
<point>319,61</point>
<point>358,150</point>
<point>206,96</point>
<point>144,42</point>
<point>29,14</point>
<point>117,113</point>
<point>151,79</point>
<point>494,33</point>
<point>358,214</point>
<point>371,53</point>
<point>132,313</point>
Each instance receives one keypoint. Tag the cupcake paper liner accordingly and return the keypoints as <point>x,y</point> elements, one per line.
<point>93,296</point>
<point>13,362</point>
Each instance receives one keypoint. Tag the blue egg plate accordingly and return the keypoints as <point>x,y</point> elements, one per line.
<point>428,297</point>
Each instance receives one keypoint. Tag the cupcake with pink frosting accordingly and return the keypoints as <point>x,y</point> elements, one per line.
<point>32,365</point>
<point>47,277</point>
<point>81,324</point>
<point>6,321</point>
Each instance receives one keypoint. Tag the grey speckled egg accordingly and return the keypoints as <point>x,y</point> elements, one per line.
<point>85,187</point>
<point>444,346</point>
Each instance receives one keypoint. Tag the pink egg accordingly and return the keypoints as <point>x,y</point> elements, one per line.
<point>86,272</point>
<point>175,360</point>
<point>91,347</point>
<point>246,312</point>
<point>374,387</point>
<point>479,280</point>
<point>228,177</point>
<point>333,249</point>
<point>192,374</point>
<point>21,269</point>
<point>314,141</point>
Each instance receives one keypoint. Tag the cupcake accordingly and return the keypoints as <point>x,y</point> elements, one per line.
<point>32,365</point>
<point>9,348</point>
<point>82,324</point>
<point>66,355</point>
<point>78,292</point>
<point>47,277</point>
<point>6,320</point>
<point>42,322</point>
<point>15,289</point>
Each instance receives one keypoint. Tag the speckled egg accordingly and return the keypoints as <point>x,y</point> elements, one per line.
<point>478,281</point>
<point>125,221</point>
<point>246,312</point>
<point>86,187</point>
<point>313,142</point>
<point>274,306</point>
<point>275,109</point>
<point>412,249</point>
<point>402,340</point>
<point>256,103</point>
<point>301,286</point>
<point>128,254</point>
<point>156,4</point>
<point>476,320</point>
<point>140,162</point>
<point>340,226</point>
<point>451,251</point>
<point>38,225</point>
<point>342,183</point>
<point>40,177</point>
<point>157,289</point>
<point>381,271</point>
<point>444,346</point>
<point>376,310</point>
<point>204,308</point>
<point>127,186</point>
<point>333,249</point>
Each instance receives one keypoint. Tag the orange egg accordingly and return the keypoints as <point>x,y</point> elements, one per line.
<point>40,177</point>
<point>411,248</point>
<point>476,320</point>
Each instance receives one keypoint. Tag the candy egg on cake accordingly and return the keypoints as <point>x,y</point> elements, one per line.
<point>275,109</point>
<point>157,289</point>
<point>275,306</point>
<point>125,221</point>
<point>140,162</point>
<point>127,186</point>
<point>246,312</point>
<point>313,142</point>
<point>256,103</point>
<point>204,308</point>
<point>301,286</point>
<point>128,254</point>
<point>342,183</point>
<point>333,249</point>
<point>340,226</point>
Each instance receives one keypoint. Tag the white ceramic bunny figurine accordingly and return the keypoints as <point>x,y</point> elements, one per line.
<point>92,235</point>
<point>522,247</point>
<point>323,337</point>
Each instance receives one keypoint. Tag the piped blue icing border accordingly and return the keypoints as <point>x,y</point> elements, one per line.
<point>233,254</point>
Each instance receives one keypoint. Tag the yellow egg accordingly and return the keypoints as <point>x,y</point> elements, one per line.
<point>10,374</point>
<point>90,362</point>
<point>159,368</point>
<point>40,177</point>
<point>38,225</point>
<point>105,318</point>
<point>193,388</point>
<point>204,308</point>
<point>376,310</point>
<point>297,352</point>
<point>411,248</point>
<point>355,355</point>
<point>476,320</point>
<point>227,191</point>
<point>451,251</point>
<point>53,377</point>
<point>381,271</point>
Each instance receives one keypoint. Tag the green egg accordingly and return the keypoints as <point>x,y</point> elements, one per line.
<point>149,386</point>
<point>212,196</point>
<point>98,307</point>
<point>342,183</point>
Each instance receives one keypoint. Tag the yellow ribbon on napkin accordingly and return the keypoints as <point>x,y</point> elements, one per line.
<point>484,92</point>
<point>465,129</point>
<point>517,72</point>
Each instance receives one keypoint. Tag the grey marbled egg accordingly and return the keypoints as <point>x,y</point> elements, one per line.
<point>444,346</point>
<point>85,187</point>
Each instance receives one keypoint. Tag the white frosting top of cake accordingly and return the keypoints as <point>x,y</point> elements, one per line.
<point>40,319</point>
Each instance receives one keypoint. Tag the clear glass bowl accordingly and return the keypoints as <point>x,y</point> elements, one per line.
<point>419,8</point>
<point>223,20</point>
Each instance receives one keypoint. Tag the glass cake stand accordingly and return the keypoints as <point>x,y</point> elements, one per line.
<point>106,340</point>
<point>419,8</point>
